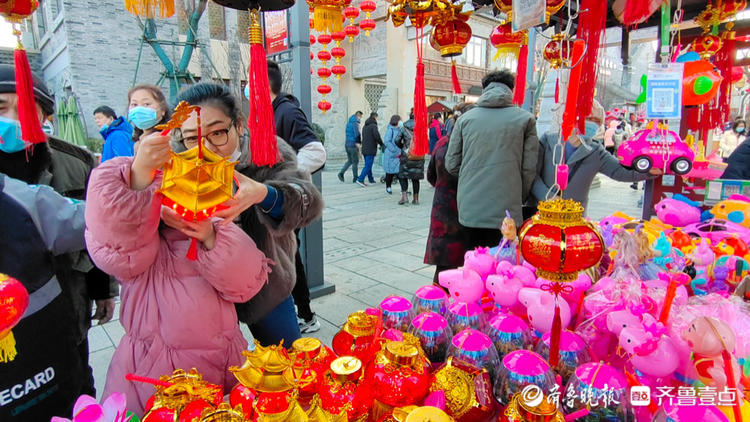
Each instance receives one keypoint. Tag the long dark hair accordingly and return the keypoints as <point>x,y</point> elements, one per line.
<point>155,92</point>
<point>737,123</point>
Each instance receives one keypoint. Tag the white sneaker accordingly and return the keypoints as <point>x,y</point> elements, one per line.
<point>309,326</point>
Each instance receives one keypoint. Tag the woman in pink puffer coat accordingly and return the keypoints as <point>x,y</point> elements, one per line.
<point>176,313</point>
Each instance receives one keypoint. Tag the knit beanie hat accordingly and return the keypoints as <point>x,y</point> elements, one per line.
<point>41,92</point>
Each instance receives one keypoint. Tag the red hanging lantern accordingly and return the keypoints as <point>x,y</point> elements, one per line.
<point>507,42</point>
<point>324,106</point>
<point>338,53</point>
<point>368,6</point>
<point>338,37</point>
<point>557,51</point>
<point>324,56</point>
<point>324,73</point>
<point>351,13</point>
<point>707,46</point>
<point>732,7</point>
<point>325,39</point>
<point>338,70</point>
<point>351,31</point>
<point>452,36</point>
<point>14,299</point>
<point>367,25</point>
<point>559,242</point>
<point>312,56</point>
<point>324,89</point>
<point>312,39</point>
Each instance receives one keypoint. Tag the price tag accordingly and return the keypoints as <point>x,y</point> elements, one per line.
<point>527,13</point>
<point>668,180</point>
<point>664,91</point>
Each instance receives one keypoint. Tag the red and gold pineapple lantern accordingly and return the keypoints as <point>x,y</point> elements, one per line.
<point>328,14</point>
<point>351,13</point>
<point>707,45</point>
<point>559,242</point>
<point>14,299</point>
<point>311,361</point>
<point>342,388</point>
<point>399,376</point>
<point>452,36</point>
<point>357,337</point>
<point>507,42</point>
<point>351,32</point>
<point>557,51</point>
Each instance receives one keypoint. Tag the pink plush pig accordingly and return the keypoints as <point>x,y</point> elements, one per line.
<point>524,274</point>
<point>651,351</point>
<point>504,290</point>
<point>464,284</point>
<point>710,338</point>
<point>622,319</point>
<point>540,308</point>
<point>481,261</point>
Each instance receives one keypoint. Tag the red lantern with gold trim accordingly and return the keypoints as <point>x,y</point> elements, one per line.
<point>351,13</point>
<point>324,89</point>
<point>338,53</point>
<point>324,73</point>
<point>338,37</point>
<point>324,106</point>
<point>452,36</point>
<point>707,45</point>
<point>559,242</point>
<point>507,42</point>
<point>557,51</point>
<point>18,10</point>
<point>367,25</point>
<point>14,299</point>
<point>312,39</point>
<point>368,6</point>
<point>338,70</point>
<point>324,56</point>
<point>325,39</point>
<point>351,31</point>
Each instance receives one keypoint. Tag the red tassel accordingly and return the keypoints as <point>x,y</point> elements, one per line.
<point>724,62</point>
<point>557,91</point>
<point>192,253</point>
<point>732,384</point>
<point>554,339</point>
<point>571,99</point>
<point>31,128</point>
<point>421,145</point>
<point>590,29</point>
<point>454,78</point>
<point>263,148</point>
<point>520,92</point>
<point>636,11</point>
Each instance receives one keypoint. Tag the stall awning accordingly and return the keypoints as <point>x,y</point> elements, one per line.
<point>441,106</point>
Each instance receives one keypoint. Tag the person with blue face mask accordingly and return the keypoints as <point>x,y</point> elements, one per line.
<point>147,107</point>
<point>585,159</point>
<point>731,139</point>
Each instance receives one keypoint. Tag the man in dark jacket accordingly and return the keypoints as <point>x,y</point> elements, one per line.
<point>739,163</point>
<point>370,142</point>
<point>116,131</point>
<point>292,124</point>
<point>293,127</point>
<point>66,169</point>
<point>352,145</point>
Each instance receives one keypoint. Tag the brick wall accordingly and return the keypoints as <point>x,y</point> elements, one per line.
<point>35,58</point>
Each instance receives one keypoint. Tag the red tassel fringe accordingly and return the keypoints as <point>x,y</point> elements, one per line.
<point>454,78</point>
<point>590,29</point>
<point>732,384</point>
<point>554,340</point>
<point>572,96</point>
<point>31,128</point>
<point>724,62</point>
<point>636,11</point>
<point>520,91</point>
<point>192,253</point>
<point>263,148</point>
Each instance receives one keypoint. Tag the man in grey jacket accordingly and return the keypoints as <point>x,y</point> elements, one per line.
<point>585,158</point>
<point>493,150</point>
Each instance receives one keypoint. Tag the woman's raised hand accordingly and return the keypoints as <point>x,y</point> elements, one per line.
<point>153,152</point>
<point>249,192</point>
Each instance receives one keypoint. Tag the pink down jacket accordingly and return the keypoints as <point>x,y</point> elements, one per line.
<point>176,313</point>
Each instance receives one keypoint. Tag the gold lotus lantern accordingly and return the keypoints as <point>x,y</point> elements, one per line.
<point>266,369</point>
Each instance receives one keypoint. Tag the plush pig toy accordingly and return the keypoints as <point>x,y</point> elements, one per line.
<point>540,308</point>
<point>712,342</point>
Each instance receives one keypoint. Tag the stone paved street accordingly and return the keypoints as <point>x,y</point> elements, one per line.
<point>373,248</point>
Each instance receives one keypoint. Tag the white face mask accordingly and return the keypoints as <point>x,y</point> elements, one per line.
<point>236,154</point>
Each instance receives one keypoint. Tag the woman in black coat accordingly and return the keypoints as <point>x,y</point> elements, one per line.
<point>739,163</point>
<point>412,167</point>
<point>370,142</point>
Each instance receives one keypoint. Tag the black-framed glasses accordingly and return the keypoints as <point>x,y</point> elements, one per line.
<point>217,138</point>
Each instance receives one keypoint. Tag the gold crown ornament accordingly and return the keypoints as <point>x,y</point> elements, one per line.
<point>266,369</point>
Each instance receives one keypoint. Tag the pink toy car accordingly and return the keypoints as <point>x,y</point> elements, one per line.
<point>662,149</point>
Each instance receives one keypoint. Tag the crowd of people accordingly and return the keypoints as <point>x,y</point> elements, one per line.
<point>74,231</point>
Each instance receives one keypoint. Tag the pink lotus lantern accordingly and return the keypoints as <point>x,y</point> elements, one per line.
<point>397,313</point>
<point>430,299</point>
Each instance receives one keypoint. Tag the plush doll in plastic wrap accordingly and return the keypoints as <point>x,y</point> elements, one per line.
<point>712,342</point>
